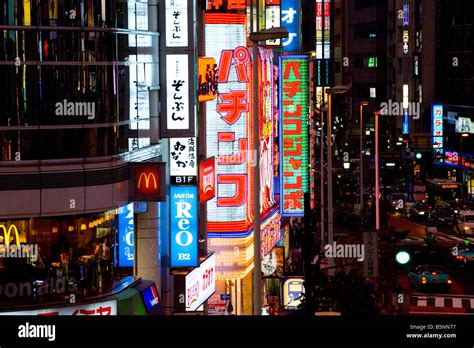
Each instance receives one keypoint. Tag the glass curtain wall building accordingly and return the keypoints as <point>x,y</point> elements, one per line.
<point>79,99</point>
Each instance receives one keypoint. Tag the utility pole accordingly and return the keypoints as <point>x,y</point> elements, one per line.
<point>361,164</point>
<point>256,37</point>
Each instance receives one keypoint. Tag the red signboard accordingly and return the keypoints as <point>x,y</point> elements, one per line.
<point>147,182</point>
<point>226,5</point>
<point>207,180</point>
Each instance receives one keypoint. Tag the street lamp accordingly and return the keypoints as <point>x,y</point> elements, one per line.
<point>461,150</point>
<point>256,37</point>
<point>361,166</point>
<point>330,92</point>
<point>377,179</point>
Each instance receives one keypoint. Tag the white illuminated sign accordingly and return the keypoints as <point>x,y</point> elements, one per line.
<point>98,308</point>
<point>176,23</point>
<point>272,15</point>
<point>177,91</point>
<point>464,125</point>
<point>183,157</point>
<point>228,141</point>
<point>200,284</point>
<point>406,96</point>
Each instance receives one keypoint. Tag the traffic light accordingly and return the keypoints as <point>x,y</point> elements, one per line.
<point>419,155</point>
<point>402,257</point>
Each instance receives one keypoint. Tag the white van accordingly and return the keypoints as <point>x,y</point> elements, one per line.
<point>465,222</point>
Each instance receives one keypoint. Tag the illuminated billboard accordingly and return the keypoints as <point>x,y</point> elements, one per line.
<point>184,226</point>
<point>294,147</point>
<point>293,292</point>
<point>183,161</point>
<point>200,284</point>
<point>229,123</point>
<point>438,134</point>
<point>207,180</point>
<point>270,233</point>
<point>266,129</point>
<point>272,19</point>
<point>126,249</point>
<point>290,19</point>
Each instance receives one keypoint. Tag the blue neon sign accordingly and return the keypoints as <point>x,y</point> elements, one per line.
<point>184,226</point>
<point>126,249</point>
<point>290,19</point>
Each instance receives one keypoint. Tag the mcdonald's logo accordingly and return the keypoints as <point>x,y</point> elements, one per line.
<point>147,180</point>
<point>7,234</point>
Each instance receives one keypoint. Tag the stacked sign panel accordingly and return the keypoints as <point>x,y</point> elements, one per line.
<point>290,19</point>
<point>229,139</point>
<point>228,123</point>
<point>184,226</point>
<point>294,101</point>
<point>438,134</point>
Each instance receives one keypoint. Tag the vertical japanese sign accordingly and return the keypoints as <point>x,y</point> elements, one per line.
<point>178,98</point>
<point>290,19</point>
<point>183,166</point>
<point>323,42</point>
<point>176,23</point>
<point>371,259</point>
<point>177,88</point>
<point>184,226</point>
<point>266,129</point>
<point>438,134</point>
<point>228,123</point>
<point>406,32</point>
<point>294,100</point>
<point>272,19</point>
<point>126,236</point>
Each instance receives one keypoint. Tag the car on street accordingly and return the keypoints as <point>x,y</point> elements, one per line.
<point>465,222</point>
<point>420,210</point>
<point>429,277</point>
<point>463,254</point>
<point>442,216</point>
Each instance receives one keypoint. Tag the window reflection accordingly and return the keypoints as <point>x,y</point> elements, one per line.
<point>72,86</point>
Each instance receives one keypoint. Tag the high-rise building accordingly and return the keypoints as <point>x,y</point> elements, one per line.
<point>78,85</point>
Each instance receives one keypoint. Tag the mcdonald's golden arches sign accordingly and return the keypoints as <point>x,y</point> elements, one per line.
<point>147,181</point>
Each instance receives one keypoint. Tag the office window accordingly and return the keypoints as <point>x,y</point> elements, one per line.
<point>373,92</point>
<point>371,62</point>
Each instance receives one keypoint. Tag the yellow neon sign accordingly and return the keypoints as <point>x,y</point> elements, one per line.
<point>7,233</point>
<point>147,180</point>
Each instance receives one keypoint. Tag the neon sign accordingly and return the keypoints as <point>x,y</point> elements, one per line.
<point>290,19</point>
<point>294,175</point>
<point>184,227</point>
<point>207,180</point>
<point>7,234</point>
<point>270,233</point>
<point>266,129</point>
<point>207,79</point>
<point>212,5</point>
<point>438,135</point>
<point>126,248</point>
<point>228,123</point>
